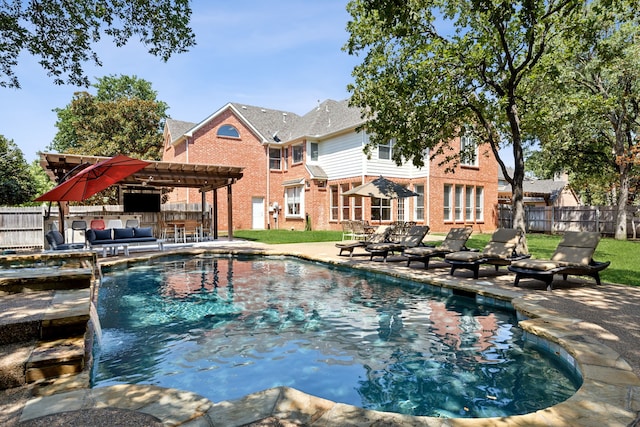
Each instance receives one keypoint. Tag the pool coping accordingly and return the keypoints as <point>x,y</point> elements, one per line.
<point>609,395</point>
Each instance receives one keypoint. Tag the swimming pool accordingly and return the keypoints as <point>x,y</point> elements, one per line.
<point>224,327</point>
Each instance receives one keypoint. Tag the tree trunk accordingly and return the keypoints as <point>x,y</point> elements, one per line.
<point>623,197</point>
<point>517,191</point>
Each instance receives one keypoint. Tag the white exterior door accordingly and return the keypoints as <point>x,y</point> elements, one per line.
<point>257,213</point>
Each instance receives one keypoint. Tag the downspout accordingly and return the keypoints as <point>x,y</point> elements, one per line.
<point>266,206</point>
<point>187,157</point>
<point>428,194</point>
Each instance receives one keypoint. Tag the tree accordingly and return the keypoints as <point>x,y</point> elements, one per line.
<point>593,104</point>
<point>16,186</point>
<point>123,117</point>
<point>423,86</point>
<point>63,33</point>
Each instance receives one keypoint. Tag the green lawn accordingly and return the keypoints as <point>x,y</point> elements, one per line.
<point>624,255</point>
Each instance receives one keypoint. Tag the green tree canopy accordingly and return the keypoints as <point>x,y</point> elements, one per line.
<point>16,184</point>
<point>123,117</point>
<point>62,34</point>
<point>591,105</point>
<point>435,68</point>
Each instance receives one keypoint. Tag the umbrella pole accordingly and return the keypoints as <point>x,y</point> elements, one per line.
<point>62,208</point>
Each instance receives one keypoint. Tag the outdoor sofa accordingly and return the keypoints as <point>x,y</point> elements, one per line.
<point>121,238</point>
<point>573,255</point>
<point>506,246</point>
<point>455,241</point>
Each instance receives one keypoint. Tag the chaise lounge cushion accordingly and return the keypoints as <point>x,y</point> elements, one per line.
<point>502,246</point>
<point>574,255</point>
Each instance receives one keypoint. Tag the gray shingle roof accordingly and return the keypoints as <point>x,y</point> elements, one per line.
<point>177,128</point>
<point>283,126</point>
<point>269,122</point>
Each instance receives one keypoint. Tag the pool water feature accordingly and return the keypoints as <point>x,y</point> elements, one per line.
<point>225,327</point>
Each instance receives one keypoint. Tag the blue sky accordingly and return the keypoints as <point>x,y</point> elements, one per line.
<point>284,55</point>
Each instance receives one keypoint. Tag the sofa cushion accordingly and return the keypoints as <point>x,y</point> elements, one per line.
<point>143,232</point>
<point>102,234</point>
<point>122,233</point>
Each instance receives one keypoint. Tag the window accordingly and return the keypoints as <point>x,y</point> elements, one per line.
<point>468,151</point>
<point>293,201</point>
<point>346,208</point>
<point>479,204</point>
<point>275,158</point>
<point>333,199</point>
<point>458,202</point>
<point>357,207</point>
<point>468,204</point>
<point>297,153</point>
<point>402,208</point>
<point>314,151</point>
<point>380,209</point>
<point>419,208</point>
<point>385,151</point>
<point>447,202</point>
<point>228,131</point>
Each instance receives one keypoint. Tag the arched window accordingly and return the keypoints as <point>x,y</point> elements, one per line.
<point>229,131</point>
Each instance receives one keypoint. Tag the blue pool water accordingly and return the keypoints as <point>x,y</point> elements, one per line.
<point>224,327</point>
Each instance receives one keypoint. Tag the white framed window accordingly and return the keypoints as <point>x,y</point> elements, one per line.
<point>458,202</point>
<point>334,209</point>
<point>419,207</point>
<point>385,151</point>
<point>293,199</point>
<point>468,203</point>
<point>298,153</point>
<point>448,202</point>
<point>275,158</point>
<point>380,209</point>
<point>468,150</point>
<point>228,131</point>
<point>479,203</point>
<point>313,148</point>
<point>402,209</point>
<point>357,207</point>
<point>346,202</point>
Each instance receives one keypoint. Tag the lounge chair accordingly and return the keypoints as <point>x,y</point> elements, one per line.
<point>380,235</point>
<point>574,255</point>
<point>506,245</point>
<point>411,239</point>
<point>455,241</point>
<point>56,242</point>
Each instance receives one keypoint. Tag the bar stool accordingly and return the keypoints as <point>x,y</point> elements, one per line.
<point>77,225</point>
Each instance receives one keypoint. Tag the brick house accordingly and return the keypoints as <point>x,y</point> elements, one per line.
<point>297,167</point>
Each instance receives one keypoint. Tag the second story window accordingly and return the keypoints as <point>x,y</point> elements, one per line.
<point>314,151</point>
<point>275,158</point>
<point>468,150</point>
<point>228,131</point>
<point>297,153</point>
<point>385,151</point>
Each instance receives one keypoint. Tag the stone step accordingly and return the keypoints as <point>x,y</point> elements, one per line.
<point>35,361</point>
<point>56,358</point>
<point>17,280</point>
<point>43,315</point>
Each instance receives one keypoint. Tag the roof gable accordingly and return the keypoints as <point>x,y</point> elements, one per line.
<point>278,126</point>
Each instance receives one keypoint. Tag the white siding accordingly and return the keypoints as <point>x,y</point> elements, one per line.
<point>342,157</point>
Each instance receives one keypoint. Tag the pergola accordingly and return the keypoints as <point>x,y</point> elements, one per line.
<point>159,175</point>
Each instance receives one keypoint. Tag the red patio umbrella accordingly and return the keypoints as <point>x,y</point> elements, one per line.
<point>94,179</point>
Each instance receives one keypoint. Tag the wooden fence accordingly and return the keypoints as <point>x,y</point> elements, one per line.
<point>550,219</point>
<point>25,227</point>
<point>21,228</point>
